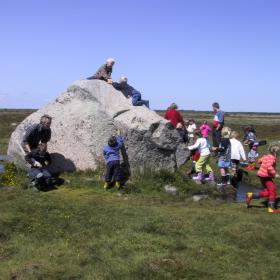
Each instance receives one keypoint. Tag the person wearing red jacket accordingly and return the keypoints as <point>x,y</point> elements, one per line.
<point>266,174</point>
<point>174,116</point>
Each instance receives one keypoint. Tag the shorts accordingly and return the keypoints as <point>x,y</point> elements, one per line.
<point>223,164</point>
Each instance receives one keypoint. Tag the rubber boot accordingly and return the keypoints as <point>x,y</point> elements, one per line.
<point>211,177</point>
<point>222,183</point>
<point>228,179</point>
<point>118,184</point>
<point>106,186</point>
<point>250,196</point>
<point>251,166</point>
<point>271,207</point>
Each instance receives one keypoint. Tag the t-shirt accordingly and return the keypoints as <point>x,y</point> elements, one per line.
<point>219,118</point>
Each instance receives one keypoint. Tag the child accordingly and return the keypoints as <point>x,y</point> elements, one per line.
<point>204,159</point>
<point>252,157</point>
<point>39,159</point>
<point>250,136</point>
<point>266,174</point>
<point>182,131</point>
<point>195,157</point>
<point>205,129</point>
<point>112,157</point>
<point>237,153</point>
<point>224,156</point>
<point>191,127</point>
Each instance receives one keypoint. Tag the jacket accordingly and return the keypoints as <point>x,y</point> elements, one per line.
<point>268,166</point>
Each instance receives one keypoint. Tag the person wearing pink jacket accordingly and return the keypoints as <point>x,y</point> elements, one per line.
<point>205,129</point>
<point>267,173</point>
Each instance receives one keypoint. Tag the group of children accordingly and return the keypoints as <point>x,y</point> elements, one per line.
<point>230,154</point>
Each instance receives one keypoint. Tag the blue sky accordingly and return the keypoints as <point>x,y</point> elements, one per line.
<point>191,52</point>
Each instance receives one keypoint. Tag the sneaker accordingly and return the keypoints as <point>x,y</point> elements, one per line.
<point>198,177</point>
<point>249,198</point>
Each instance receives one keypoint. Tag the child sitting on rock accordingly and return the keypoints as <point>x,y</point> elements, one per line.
<point>203,146</point>
<point>39,159</point>
<point>224,157</point>
<point>266,174</point>
<point>112,158</point>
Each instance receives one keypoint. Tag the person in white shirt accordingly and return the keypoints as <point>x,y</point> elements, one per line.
<point>191,127</point>
<point>237,154</point>
<point>204,161</point>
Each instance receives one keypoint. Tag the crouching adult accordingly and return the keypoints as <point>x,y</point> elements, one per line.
<point>39,159</point>
<point>37,133</point>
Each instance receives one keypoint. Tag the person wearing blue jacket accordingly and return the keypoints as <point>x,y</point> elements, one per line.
<point>137,99</point>
<point>111,154</point>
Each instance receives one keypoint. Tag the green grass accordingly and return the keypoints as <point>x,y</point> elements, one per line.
<point>84,233</point>
<point>81,232</point>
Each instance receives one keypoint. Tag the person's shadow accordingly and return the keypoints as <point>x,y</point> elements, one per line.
<point>58,165</point>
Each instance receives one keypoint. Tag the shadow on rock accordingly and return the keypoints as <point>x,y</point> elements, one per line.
<point>60,164</point>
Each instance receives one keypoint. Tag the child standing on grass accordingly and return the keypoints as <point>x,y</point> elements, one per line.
<point>205,129</point>
<point>112,157</point>
<point>203,146</point>
<point>253,157</point>
<point>224,156</point>
<point>191,127</point>
<point>237,153</point>
<point>266,174</point>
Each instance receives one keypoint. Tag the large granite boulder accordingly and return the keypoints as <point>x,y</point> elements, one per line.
<point>83,119</point>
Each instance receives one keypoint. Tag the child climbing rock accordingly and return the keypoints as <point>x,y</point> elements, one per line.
<point>112,157</point>
<point>204,160</point>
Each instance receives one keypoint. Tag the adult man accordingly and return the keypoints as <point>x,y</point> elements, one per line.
<point>104,72</point>
<point>218,124</point>
<point>128,91</point>
<point>37,133</point>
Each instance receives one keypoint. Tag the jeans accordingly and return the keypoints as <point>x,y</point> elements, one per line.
<point>216,135</point>
<point>113,171</point>
<point>137,99</point>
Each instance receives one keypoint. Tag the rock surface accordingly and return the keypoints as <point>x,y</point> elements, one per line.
<point>83,119</point>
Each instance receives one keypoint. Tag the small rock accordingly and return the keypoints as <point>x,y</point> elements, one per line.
<point>170,189</point>
<point>197,198</point>
<point>13,124</point>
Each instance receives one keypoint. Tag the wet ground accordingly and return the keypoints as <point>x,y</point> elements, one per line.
<point>242,192</point>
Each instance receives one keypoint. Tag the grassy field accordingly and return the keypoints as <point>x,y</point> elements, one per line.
<point>80,232</point>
